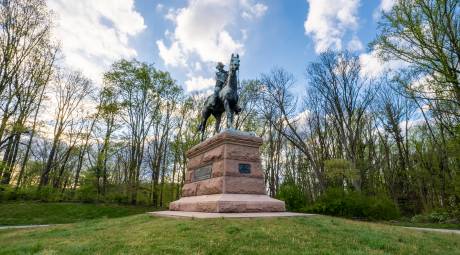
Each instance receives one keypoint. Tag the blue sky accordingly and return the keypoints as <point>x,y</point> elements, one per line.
<point>187,37</point>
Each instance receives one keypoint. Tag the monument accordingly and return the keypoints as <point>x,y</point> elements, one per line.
<point>224,173</point>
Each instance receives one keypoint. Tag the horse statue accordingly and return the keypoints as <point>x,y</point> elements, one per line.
<point>227,101</point>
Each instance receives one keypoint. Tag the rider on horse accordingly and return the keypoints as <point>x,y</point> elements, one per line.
<point>225,97</point>
<point>221,78</point>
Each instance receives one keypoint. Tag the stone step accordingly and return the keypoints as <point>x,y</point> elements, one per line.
<point>228,203</point>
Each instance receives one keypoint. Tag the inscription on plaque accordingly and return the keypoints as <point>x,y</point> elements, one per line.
<point>244,168</point>
<point>202,173</point>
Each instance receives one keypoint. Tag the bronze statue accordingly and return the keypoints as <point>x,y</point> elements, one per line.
<point>225,97</point>
<point>221,77</point>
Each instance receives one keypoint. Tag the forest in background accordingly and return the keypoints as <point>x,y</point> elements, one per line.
<point>353,146</point>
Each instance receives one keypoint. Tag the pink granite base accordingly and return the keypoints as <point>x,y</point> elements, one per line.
<point>228,203</point>
<point>225,184</point>
<point>227,187</point>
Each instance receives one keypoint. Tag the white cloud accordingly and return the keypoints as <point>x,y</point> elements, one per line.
<point>203,29</point>
<point>205,32</point>
<point>425,88</point>
<point>172,14</point>
<point>173,55</point>
<point>159,7</point>
<point>301,119</point>
<point>197,66</point>
<point>199,83</point>
<point>384,6</point>
<point>355,44</point>
<point>253,11</point>
<point>422,84</point>
<point>373,67</point>
<point>328,21</point>
<point>94,34</point>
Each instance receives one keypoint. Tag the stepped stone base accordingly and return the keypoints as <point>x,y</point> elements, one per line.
<point>228,203</point>
<point>224,175</point>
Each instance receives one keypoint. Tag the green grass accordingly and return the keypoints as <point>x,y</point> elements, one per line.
<point>425,225</point>
<point>107,229</point>
<point>25,213</point>
<point>143,234</point>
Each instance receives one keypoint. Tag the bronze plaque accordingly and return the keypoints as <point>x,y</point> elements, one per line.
<point>202,173</point>
<point>244,168</point>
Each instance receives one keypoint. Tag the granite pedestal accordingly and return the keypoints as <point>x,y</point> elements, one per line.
<point>224,175</point>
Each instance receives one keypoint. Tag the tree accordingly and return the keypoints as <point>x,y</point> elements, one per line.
<point>108,111</point>
<point>426,35</point>
<point>26,61</point>
<point>70,89</point>
<point>140,90</point>
<point>345,96</point>
<point>28,93</point>
<point>280,108</point>
<point>24,26</point>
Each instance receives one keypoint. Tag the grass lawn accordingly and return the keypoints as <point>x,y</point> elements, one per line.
<point>24,213</point>
<point>143,234</point>
<point>426,225</point>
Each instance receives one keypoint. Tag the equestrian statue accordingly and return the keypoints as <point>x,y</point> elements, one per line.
<point>224,98</point>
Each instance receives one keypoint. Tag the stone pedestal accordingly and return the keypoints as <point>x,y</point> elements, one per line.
<point>224,174</point>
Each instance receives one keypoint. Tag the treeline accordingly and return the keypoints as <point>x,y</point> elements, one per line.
<point>393,140</point>
<point>396,136</point>
<point>64,138</point>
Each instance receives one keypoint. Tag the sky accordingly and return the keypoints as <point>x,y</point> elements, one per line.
<point>188,37</point>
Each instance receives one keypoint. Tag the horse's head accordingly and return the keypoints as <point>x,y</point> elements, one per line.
<point>235,62</point>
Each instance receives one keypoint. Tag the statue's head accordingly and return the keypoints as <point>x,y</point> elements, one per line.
<point>235,62</point>
<point>220,66</point>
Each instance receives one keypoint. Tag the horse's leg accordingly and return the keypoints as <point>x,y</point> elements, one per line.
<point>218,119</point>
<point>204,118</point>
<point>229,112</point>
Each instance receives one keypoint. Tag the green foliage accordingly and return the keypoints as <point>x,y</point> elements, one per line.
<point>354,204</point>
<point>292,195</point>
<point>48,194</point>
<point>114,194</point>
<point>45,194</point>
<point>339,171</point>
<point>6,192</point>
<point>23,213</point>
<point>9,193</point>
<point>454,151</point>
<point>436,217</point>
<point>87,192</point>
